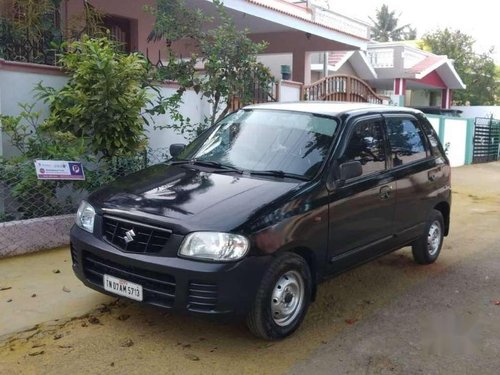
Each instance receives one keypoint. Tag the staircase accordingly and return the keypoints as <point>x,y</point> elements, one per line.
<point>342,88</point>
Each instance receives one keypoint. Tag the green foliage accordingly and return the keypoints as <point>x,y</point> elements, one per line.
<point>478,71</point>
<point>175,21</point>
<point>385,26</point>
<point>103,99</point>
<point>231,67</point>
<point>231,71</point>
<point>35,197</point>
<point>87,23</point>
<point>28,31</point>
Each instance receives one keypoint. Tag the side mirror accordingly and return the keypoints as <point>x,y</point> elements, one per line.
<point>350,169</point>
<point>176,149</point>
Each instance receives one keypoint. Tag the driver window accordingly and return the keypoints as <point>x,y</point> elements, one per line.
<point>366,145</point>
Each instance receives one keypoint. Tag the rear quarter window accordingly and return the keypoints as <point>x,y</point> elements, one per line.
<point>432,137</point>
<point>406,139</point>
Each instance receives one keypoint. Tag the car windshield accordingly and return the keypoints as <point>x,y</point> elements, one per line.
<point>293,143</point>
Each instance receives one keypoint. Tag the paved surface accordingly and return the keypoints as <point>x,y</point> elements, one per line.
<point>388,317</point>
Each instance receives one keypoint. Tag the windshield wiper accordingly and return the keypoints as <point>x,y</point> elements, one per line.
<point>207,163</point>
<point>279,173</point>
<point>179,161</point>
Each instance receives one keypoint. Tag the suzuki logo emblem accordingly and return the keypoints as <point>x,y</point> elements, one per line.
<point>129,236</point>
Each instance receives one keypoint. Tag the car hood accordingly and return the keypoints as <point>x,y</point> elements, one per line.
<point>189,199</point>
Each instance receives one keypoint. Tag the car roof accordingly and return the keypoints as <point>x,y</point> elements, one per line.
<point>331,108</point>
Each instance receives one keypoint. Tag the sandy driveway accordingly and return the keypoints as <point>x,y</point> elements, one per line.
<point>388,317</point>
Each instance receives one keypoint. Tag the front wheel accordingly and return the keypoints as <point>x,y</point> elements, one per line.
<point>427,248</point>
<point>282,299</point>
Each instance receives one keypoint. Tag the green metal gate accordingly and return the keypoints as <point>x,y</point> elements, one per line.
<point>486,143</point>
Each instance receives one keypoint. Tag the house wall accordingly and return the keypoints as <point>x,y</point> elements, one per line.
<point>142,21</point>
<point>397,70</point>
<point>417,98</point>
<point>346,69</point>
<point>274,61</point>
<point>316,76</point>
<point>302,46</point>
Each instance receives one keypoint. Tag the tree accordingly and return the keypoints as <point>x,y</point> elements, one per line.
<point>385,26</point>
<point>231,69</point>
<point>478,71</point>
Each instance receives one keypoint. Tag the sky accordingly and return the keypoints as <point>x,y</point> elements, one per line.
<point>478,18</point>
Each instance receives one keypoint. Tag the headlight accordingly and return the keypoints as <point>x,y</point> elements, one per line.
<point>85,217</point>
<point>222,247</point>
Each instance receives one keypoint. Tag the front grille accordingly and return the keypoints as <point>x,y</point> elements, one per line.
<point>74,256</point>
<point>202,296</point>
<point>134,237</point>
<point>158,288</point>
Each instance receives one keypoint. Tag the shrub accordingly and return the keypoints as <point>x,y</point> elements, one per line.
<point>103,99</point>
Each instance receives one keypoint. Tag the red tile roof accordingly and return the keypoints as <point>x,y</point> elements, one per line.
<point>426,63</point>
<point>334,57</point>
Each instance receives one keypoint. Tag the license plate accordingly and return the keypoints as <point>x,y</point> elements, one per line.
<point>122,287</point>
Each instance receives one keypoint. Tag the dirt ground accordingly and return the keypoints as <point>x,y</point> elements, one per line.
<point>388,317</point>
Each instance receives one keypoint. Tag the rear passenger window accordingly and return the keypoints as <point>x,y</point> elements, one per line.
<point>366,145</point>
<point>406,140</point>
<point>432,137</point>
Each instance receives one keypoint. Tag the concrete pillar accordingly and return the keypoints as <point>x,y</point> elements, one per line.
<point>446,98</point>
<point>301,69</point>
<point>399,86</point>
<point>399,92</point>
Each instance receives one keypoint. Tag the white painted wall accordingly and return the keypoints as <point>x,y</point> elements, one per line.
<point>17,87</point>
<point>479,111</point>
<point>288,92</point>
<point>455,137</point>
<point>194,106</point>
<point>434,122</point>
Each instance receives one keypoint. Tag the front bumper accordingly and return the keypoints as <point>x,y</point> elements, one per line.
<point>171,282</point>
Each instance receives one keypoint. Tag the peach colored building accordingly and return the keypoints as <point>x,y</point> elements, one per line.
<point>294,29</point>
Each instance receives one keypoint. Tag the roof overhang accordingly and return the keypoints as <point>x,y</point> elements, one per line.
<point>358,61</point>
<point>274,16</point>
<point>445,70</point>
<point>450,76</point>
<point>362,66</point>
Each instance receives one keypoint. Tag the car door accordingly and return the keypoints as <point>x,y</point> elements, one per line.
<point>361,209</point>
<point>414,171</point>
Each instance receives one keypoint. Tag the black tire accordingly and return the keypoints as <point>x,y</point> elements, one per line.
<point>261,321</point>
<point>427,248</point>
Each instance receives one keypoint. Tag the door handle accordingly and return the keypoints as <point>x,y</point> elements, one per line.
<point>433,174</point>
<point>385,192</point>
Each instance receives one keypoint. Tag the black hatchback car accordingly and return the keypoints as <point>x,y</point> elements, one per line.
<point>253,214</point>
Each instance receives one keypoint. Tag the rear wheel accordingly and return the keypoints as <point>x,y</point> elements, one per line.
<point>427,248</point>
<point>282,299</point>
